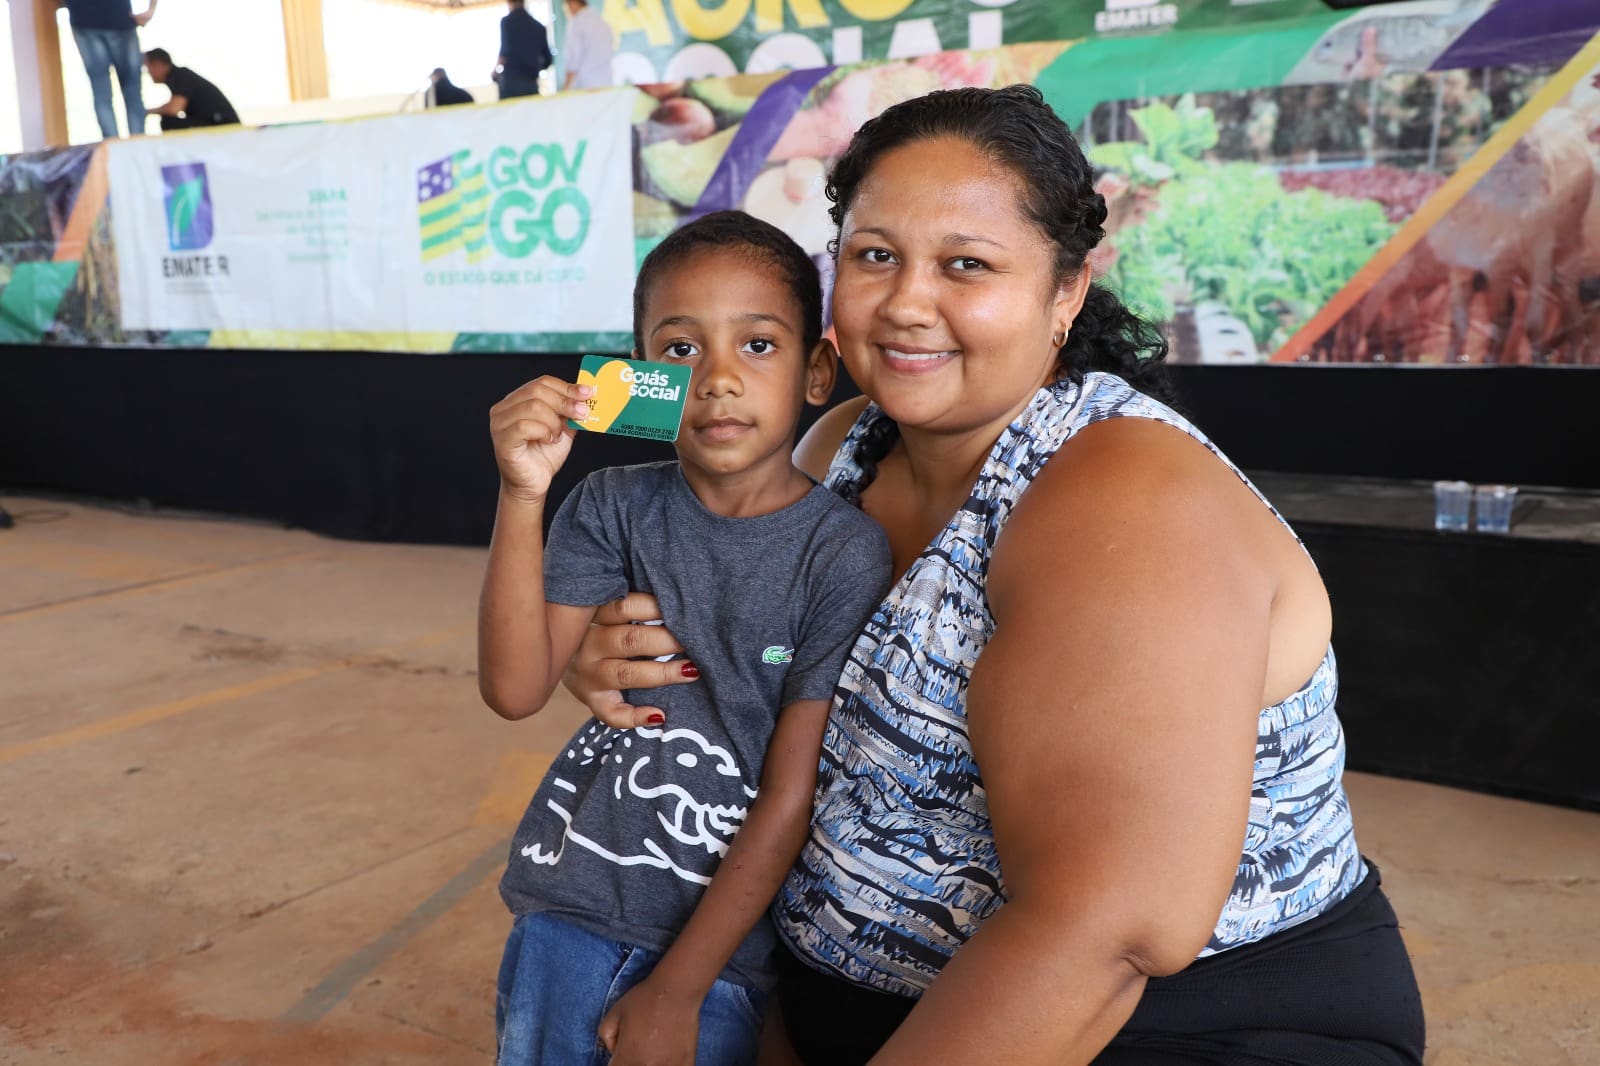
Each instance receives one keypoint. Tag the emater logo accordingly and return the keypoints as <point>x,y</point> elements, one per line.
<point>187,192</point>
<point>1135,15</point>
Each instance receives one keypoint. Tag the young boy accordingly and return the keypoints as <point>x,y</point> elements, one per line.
<point>641,874</point>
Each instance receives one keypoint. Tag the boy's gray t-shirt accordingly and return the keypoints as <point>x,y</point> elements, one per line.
<point>628,826</point>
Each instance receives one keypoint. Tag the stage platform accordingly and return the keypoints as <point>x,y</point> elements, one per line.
<point>254,813</point>
<point>1544,514</point>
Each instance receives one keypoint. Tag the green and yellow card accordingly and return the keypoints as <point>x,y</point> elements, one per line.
<point>633,398</point>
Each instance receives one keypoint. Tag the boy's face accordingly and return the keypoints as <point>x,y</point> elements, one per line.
<point>730,315</point>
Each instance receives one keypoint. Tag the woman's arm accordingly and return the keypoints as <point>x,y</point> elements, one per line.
<point>1114,715</point>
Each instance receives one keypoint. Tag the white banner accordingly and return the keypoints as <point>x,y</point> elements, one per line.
<point>516,218</point>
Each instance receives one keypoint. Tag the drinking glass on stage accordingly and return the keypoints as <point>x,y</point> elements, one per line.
<point>1451,502</point>
<point>1494,504</point>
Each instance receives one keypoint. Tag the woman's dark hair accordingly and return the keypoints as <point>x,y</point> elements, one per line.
<point>747,235</point>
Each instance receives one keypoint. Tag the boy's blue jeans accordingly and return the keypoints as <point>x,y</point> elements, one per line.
<point>557,981</point>
<point>103,51</point>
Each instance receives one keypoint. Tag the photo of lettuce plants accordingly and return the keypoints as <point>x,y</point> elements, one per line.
<point>1234,216</point>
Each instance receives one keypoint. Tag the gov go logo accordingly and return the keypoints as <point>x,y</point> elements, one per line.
<point>514,201</point>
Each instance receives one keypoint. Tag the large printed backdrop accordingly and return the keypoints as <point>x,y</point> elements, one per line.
<point>1417,182</point>
<point>664,41</point>
<point>403,224</point>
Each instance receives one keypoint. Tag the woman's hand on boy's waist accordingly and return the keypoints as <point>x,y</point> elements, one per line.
<point>617,655</point>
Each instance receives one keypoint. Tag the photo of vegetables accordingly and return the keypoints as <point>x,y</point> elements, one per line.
<point>764,143</point>
<point>1234,217</point>
<point>37,194</point>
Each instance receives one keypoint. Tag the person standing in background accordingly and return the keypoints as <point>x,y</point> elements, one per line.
<point>524,52</point>
<point>107,35</point>
<point>587,48</point>
<point>195,101</point>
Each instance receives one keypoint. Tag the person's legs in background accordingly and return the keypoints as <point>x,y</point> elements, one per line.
<point>97,54</point>
<point>128,60</point>
<point>516,85</point>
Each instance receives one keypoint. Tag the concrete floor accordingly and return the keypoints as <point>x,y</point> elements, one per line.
<point>252,812</point>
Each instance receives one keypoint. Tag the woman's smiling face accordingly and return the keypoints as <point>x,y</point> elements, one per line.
<point>946,300</point>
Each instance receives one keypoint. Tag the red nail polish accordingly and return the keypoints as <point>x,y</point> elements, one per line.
<point>691,670</point>
<point>654,719</point>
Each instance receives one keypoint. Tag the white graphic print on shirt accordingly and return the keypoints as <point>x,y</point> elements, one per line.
<point>707,827</point>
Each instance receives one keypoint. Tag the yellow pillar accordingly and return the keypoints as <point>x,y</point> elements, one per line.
<point>36,49</point>
<point>308,57</point>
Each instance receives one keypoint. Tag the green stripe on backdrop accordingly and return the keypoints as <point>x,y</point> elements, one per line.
<point>28,302</point>
<point>434,211</point>
<point>442,238</point>
<point>544,343</point>
<point>188,338</point>
<point>1129,68</point>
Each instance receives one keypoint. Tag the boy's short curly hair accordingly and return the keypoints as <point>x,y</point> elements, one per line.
<point>763,242</point>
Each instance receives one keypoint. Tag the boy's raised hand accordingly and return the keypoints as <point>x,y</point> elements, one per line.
<point>531,436</point>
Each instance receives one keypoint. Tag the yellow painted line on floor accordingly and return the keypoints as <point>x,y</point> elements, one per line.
<point>514,780</point>
<point>111,567</point>
<point>162,711</point>
<point>154,585</point>
<point>145,715</point>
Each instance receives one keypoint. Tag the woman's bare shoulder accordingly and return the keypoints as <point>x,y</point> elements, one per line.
<point>814,454</point>
<point>1135,489</point>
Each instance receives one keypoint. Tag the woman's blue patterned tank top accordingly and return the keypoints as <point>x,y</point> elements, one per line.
<point>901,867</point>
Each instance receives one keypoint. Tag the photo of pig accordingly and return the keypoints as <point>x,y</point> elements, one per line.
<point>1235,217</point>
<point>1510,274</point>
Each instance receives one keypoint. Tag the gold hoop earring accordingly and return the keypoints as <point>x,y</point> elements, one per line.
<point>1059,339</point>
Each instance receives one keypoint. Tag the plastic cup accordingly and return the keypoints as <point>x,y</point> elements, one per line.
<point>1494,507</point>
<point>1451,502</point>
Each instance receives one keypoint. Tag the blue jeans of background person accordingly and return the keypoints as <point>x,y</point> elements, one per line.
<point>102,52</point>
<point>557,981</point>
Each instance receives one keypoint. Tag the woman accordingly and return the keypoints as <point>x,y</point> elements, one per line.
<point>1097,609</point>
